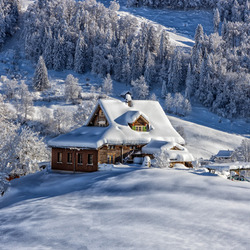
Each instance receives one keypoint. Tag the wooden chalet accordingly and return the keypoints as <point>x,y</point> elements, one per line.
<point>116,132</point>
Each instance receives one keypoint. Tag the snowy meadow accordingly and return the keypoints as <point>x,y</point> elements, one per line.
<point>136,209</point>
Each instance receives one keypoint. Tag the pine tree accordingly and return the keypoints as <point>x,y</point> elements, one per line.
<point>81,57</point>
<point>40,80</point>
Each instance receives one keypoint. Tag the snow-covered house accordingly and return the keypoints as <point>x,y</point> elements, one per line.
<point>117,131</point>
<point>224,156</point>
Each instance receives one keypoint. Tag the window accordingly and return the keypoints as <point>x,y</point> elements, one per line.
<point>111,147</point>
<point>140,128</point>
<point>69,158</point>
<point>111,159</point>
<point>90,159</point>
<point>79,159</point>
<point>59,157</point>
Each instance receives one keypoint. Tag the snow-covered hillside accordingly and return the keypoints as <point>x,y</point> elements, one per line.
<point>142,209</point>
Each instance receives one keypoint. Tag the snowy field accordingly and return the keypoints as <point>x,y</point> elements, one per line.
<point>140,209</point>
<point>180,21</point>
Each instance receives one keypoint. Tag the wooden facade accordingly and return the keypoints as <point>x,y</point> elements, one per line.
<point>98,119</point>
<point>87,160</point>
<point>76,160</point>
<point>117,153</point>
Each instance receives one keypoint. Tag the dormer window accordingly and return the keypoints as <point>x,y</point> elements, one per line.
<point>140,125</point>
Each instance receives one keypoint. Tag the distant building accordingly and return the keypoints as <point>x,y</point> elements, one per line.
<point>224,156</point>
<point>118,131</point>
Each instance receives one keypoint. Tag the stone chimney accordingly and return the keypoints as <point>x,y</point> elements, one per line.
<point>129,100</point>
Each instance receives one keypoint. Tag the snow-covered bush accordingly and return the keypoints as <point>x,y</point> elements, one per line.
<point>161,160</point>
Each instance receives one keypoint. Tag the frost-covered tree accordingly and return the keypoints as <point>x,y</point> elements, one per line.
<point>175,74</point>
<point>81,56</point>
<point>168,102</point>
<point>163,89</point>
<point>107,85</point>
<point>216,20</point>
<point>9,14</point>
<point>72,89</point>
<point>10,89</point>
<point>24,104</point>
<point>83,111</point>
<point>177,104</point>
<point>40,80</point>
<point>21,150</point>
<point>140,89</point>
<point>243,151</point>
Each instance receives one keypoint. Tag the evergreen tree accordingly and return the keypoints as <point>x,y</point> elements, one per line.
<point>40,80</point>
<point>81,57</point>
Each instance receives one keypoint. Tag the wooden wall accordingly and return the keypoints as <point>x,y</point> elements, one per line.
<point>74,166</point>
<point>120,152</point>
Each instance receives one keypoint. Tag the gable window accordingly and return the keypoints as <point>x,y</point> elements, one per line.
<point>69,158</point>
<point>111,147</point>
<point>59,157</point>
<point>79,159</point>
<point>90,159</point>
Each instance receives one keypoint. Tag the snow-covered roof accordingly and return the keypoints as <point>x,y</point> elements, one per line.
<point>119,115</point>
<point>175,151</point>
<point>224,153</point>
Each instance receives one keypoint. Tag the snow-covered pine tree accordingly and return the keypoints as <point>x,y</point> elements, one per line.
<point>81,57</point>
<point>175,77</point>
<point>40,80</point>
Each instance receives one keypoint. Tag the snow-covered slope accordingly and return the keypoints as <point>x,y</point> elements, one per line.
<point>143,209</point>
<point>203,141</point>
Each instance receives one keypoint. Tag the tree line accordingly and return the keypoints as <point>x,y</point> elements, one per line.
<point>9,13</point>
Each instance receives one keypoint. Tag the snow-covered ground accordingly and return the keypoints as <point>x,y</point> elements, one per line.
<point>136,209</point>
<point>182,22</point>
<point>203,141</point>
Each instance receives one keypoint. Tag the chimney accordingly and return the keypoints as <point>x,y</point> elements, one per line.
<point>129,100</point>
